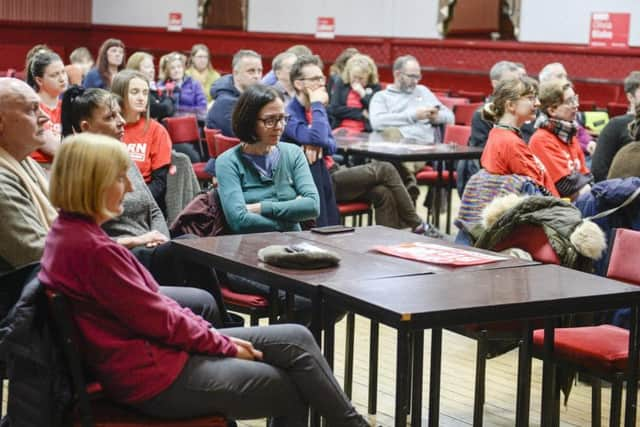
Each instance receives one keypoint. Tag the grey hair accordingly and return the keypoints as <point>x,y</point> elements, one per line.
<point>401,61</point>
<point>276,64</point>
<point>499,68</point>
<point>241,54</point>
<point>545,73</point>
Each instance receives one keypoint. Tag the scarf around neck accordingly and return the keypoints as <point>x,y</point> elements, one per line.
<point>564,130</point>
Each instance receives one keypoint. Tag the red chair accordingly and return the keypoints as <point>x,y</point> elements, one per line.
<point>464,112</point>
<point>91,407</point>
<point>184,130</point>
<point>601,351</point>
<point>256,306</point>
<point>210,138</point>
<point>587,105</point>
<point>355,210</point>
<point>451,102</point>
<point>472,96</point>
<point>617,109</point>
<point>223,143</point>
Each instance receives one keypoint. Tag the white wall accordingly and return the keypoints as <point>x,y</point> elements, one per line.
<point>144,13</point>
<point>568,21</point>
<point>376,18</point>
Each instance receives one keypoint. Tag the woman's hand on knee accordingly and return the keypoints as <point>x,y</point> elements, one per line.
<point>246,350</point>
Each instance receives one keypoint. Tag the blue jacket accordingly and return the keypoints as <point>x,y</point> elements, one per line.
<point>93,79</point>
<point>607,195</point>
<point>191,97</point>
<point>225,96</point>
<point>318,133</point>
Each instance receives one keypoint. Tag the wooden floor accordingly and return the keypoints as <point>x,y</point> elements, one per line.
<point>458,370</point>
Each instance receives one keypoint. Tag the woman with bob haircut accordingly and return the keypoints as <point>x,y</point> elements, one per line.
<point>555,141</point>
<point>264,184</point>
<point>147,141</point>
<point>167,363</point>
<point>514,102</point>
<point>141,227</point>
<point>110,61</point>
<point>350,95</point>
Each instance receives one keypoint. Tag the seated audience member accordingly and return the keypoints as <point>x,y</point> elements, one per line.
<point>408,107</point>
<point>200,68</point>
<point>39,48</point>
<point>615,134</point>
<point>191,98</point>
<point>161,105</point>
<point>246,71</point>
<point>264,184</point>
<point>147,141</point>
<point>502,70</point>
<point>281,66</point>
<point>555,142</point>
<point>270,78</point>
<point>351,95</point>
<point>81,62</point>
<point>377,182</point>
<point>47,77</point>
<point>283,375</point>
<point>140,227</point>
<point>514,102</point>
<point>110,61</point>
<point>27,214</point>
<point>336,69</point>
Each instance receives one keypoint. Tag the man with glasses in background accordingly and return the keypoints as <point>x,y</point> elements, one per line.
<point>246,71</point>
<point>376,182</point>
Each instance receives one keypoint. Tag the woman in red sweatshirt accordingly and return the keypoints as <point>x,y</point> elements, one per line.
<point>147,351</point>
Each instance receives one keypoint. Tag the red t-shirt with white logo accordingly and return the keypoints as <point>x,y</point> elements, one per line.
<point>149,148</point>
<point>54,125</point>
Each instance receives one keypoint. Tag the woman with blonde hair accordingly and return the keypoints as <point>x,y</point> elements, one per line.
<point>161,105</point>
<point>200,68</point>
<point>190,98</point>
<point>147,141</point>
<point>110,60</point>
<point>351,94</point>
<point>514,102</point>
<point>168,363</point>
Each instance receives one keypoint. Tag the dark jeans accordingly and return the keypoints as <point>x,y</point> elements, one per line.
<point>191,149</point>
<point>293,376</point>
<point>200,302</point>
<point>329,214</point>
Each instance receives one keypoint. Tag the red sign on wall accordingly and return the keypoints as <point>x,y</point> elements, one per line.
<point>609,29</point>
<point>326,28</point>
<point>175,21</point>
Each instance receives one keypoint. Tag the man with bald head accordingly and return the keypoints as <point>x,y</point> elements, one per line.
<point>24,205</point>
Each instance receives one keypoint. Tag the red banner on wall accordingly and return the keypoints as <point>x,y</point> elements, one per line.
<point>326,27</point>
<point>175,21</point>
<point>609,29</point>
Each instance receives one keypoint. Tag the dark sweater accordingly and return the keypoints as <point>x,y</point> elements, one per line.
<point>613,137</point>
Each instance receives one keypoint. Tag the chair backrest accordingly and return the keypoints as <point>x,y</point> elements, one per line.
<point>464,112</point>
<point>182,129</point>
<point>587,105</point>
<point>451,102</point>
<point>617,108</point>
<point>530,238</point>
<point>622,263</point>
<point>68,336</point>
<point>473,96</point>
<point>457,133</point>
<point>223,143</point>
<point>210,137</point>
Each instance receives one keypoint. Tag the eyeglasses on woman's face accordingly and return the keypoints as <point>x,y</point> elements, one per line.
<point>271,122</point>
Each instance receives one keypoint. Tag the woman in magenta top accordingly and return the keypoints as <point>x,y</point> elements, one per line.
<point>147,351</point>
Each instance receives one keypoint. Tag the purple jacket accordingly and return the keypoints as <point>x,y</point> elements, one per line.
<point>190,97</point>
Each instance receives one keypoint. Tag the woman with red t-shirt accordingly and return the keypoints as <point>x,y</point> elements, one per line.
<point>350,96</point>
<point>555,142</point>
<point>46,75</point>
<point>514,102</point>
<point>148,143</point>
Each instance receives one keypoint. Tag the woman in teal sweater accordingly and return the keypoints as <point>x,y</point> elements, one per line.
<point>264,184</point>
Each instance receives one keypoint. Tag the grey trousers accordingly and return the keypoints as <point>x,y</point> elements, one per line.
<point>197,300</point>
<point>293,376</point>
<point>380,183</point>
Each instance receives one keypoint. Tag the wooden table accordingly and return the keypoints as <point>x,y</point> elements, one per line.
<point>375,146</point>
<point>414,303</point>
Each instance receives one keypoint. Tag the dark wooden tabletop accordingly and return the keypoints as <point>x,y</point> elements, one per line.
<point>375,146</point>
<point>362,239</point>
<point>479,296</point>
<point>238,254</point>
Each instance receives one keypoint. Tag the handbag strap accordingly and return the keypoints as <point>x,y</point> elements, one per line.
<point>608,212</point>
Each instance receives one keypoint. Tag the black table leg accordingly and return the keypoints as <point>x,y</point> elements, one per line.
<point>329,338</point>
<point>632,374</point>
<point>416,378</point>
<point>524,378</point>
<point>316,317</point>
<point>450,186</point>
<point>436,201</point>
<point>434,377</point>
<point>548,375</point>
<point>349,354</point>
<point>373,367</point>
<point>402,376</point>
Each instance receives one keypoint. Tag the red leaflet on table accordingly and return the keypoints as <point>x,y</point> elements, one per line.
<point>438,254</point>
